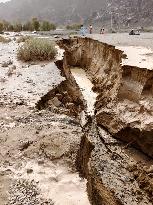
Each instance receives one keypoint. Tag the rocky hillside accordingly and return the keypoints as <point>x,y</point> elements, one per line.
<point>122,13</point>
<point>56,11</point>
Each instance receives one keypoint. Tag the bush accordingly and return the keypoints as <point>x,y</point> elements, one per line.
<point>47,26</point>
<point>17,27</point>
<point>73,33</point>
<point>1,26</point>
<point>37,49</point>
<point>35,24</point>
<point>73,27</point>
<point>23,39</point>
<point>4,40</point>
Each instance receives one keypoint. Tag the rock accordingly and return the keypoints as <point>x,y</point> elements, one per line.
<point>43,65</point>
<point>41,162</point>
<point>13,67</point>
<point>11,71</point>
<point>7,63</point>
<point>150,170</point>
<point>25,145</point>
<point>29,171</point>
<point>56,102</point>
<point>37,132</point>
<point>19,74</point>
<point>50,103</point>
<point>59,96</point>
<point>70,106</point>
<point>3,80</point>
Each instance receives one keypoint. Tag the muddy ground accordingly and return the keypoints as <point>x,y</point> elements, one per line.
<point>103,160</point>
<point>39,148</point>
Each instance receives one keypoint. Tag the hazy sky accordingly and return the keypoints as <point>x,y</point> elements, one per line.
<point>3,0</point>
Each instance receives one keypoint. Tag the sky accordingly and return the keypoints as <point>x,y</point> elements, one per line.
<point>3,0</point>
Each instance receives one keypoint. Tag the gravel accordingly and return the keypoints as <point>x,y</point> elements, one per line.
<point>23,192</point>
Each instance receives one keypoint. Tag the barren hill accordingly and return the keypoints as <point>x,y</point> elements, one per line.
<point>123,13</point>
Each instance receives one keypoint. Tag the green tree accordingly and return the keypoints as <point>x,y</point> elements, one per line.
<point>17,27</point>
<point>10,27</point>
<point>35,24</point>
<point>1,27</point>
<point>27,26</point>
<point>52,26</point>
<point>6,25</point>
<point>47,26</point>
<point>73,27</point>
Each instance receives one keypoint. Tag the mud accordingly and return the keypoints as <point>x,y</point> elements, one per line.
<point>38,148</point>
<point>47,153</point>
<point>107,166</point>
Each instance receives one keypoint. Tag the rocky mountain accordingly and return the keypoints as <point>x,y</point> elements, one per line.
<point>54,10</point>
<point>119,13</point>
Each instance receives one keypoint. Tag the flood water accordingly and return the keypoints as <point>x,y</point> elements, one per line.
<point>137,56</point>
<point>86,88</point>
<point>56,182</point>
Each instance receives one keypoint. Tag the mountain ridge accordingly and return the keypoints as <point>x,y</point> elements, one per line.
<point>123,13</point>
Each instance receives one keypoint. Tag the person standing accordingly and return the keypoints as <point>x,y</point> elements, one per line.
<point>90,29</point>
<point>82,30</point>
<point>102,31</point>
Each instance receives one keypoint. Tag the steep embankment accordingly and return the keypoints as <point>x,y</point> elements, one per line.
<point>115,175</point>
<point>124,13</point>
<point>124,103</point>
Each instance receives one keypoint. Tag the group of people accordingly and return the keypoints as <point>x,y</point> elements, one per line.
<point>89,30</point>
<point>136,32</point>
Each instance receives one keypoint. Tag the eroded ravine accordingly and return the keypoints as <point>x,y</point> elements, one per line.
<point>41,149</point>
<point>114,175</point>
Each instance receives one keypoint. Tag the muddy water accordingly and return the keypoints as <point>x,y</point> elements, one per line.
<point>86,88</point>
<point>137,56</point>
<point>56,182</point>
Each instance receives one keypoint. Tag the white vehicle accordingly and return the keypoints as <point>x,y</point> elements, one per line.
<point>34,32</point>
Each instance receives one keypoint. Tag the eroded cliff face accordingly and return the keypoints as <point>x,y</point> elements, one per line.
<point>114,176</point>
<point>66,98</point>
<point>124,102</point>
<point>116,172</point>
<point>101,62</point>
<point>130,116</point>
